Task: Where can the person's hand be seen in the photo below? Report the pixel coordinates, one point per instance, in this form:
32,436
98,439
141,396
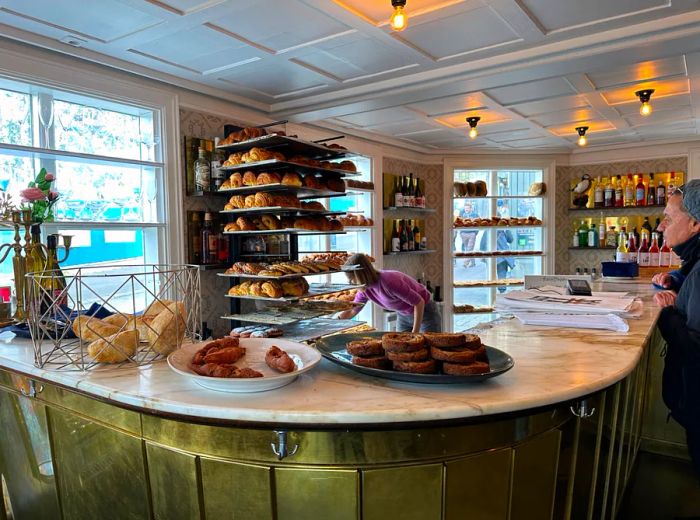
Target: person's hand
665,298
662,280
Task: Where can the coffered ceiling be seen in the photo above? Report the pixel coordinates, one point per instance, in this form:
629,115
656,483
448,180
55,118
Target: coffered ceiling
533,70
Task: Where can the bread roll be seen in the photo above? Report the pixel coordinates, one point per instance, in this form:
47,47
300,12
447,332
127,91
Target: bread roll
336,184
118,320
291,179
481,189
90,329
471,189
156,307
115,348
167,330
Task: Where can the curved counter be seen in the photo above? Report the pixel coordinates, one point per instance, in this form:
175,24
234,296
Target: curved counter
147,443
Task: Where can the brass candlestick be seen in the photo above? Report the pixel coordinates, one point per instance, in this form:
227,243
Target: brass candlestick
19,262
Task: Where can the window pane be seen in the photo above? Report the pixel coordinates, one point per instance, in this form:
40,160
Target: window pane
15,118
519,208
364,167
516,182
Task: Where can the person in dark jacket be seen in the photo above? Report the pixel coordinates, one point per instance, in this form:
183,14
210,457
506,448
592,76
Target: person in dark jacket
679,320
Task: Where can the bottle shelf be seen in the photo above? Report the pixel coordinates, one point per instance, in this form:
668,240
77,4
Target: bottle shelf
408,208
488,254
618,208
421,252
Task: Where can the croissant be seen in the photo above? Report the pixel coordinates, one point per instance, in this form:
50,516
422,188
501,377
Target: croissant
226,185
236,180
310,181
234,159
249,179
295,287
291,179
268,178
255,289
229,206
264,200
336,184
304,223
314,204
272,289
271,222
250,201
115,348
231,226
245,224
237,201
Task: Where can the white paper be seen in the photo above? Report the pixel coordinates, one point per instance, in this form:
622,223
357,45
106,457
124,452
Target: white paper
538,300
579,321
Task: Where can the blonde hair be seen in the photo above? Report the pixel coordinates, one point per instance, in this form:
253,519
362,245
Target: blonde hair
366,274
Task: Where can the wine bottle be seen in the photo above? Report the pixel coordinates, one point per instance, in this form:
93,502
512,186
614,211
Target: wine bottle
395,238
416,236
409,236
661,194
629,191
651,191
398,194
598,195
671,187
640,192
646,225
609,194
411,194
619,193
654,251
420,198
632,252
665,255
404,236
208,253
643,257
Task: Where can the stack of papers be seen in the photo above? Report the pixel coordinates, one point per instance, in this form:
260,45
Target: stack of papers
551,306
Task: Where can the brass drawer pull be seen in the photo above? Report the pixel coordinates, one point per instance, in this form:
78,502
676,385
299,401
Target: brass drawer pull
281,449
33,391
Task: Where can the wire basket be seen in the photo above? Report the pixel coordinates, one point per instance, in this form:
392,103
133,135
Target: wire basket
112,315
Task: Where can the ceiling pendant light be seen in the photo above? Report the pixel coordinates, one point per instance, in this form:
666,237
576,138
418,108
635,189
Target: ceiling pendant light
644,96
472,123
582,135
399,19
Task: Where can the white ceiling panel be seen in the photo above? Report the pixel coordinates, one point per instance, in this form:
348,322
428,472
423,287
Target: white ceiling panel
183,7
505,137
285,79
506,126
106,20
556,14
379,117
468,31
636,72
531,91
204,49
660,116
451,104
566,116
279,25
529,143
550,105
354,56
405,128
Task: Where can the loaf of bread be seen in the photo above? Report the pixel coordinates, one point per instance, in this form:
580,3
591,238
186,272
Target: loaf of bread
114,348
89,329
168,328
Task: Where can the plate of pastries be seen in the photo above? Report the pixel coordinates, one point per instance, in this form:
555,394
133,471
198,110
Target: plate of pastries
248,364
497,221
432,357
293,179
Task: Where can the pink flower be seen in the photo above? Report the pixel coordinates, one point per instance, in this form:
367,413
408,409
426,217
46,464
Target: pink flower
32,194
49,177
53,195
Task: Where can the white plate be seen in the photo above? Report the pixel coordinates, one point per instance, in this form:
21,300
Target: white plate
304,357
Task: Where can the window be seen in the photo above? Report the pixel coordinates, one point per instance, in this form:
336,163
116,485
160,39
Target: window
497,239
109,169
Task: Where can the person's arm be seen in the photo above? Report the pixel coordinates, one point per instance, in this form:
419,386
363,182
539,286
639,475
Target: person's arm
360,297
418,316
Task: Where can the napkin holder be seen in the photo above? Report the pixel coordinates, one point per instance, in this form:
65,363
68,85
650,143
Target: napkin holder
620,269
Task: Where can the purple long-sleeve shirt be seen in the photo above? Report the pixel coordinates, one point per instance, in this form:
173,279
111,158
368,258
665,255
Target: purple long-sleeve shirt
394,291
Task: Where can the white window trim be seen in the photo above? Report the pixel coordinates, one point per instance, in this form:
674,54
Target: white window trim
64,73
548,167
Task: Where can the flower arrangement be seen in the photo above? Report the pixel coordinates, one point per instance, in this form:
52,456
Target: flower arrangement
40,197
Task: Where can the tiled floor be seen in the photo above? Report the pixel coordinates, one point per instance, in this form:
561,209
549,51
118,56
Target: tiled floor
661,488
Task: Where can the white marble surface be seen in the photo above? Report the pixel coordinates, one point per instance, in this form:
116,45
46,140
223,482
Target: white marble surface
551,366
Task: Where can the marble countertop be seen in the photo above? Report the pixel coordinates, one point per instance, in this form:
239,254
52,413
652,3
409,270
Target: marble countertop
551,366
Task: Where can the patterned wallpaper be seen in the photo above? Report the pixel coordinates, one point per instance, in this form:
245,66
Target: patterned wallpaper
430,264
566,260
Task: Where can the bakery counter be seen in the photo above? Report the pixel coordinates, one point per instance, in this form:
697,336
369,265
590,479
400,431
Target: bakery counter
144,443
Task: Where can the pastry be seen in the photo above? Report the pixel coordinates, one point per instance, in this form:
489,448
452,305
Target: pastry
379,362
228,207
402,342
347,166
279,360
365,347
335,225
231,226
225,370
268,178
456,355
229,354
455,369
249,178
249,201
314,205
471,189
418,355
168,328
444,339
115,348
245,224
237,201
295,287
264,200
481,189
304,223
118,320
416,367
310,181
255,289
291,179
236,180
89,329
270,222
272,289
336,184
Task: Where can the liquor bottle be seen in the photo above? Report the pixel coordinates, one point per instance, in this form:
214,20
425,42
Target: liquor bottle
598,194
398,193
640,192
583,234
420,197
661,194
656,230
646,225
404,191
622,255
636,235
409,236
574,240
651,191
202,172
427,286
644,251
592,236
609,194
196,239
629,191
665,255
611,237
632,249
404,236
53,281
223,245
601,231
396,238
619,193
411,192
208,253
671,185
423,242
217,174
654,251
416,235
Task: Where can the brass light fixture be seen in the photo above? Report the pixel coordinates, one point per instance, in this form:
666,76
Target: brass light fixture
472,123
399,19
644,96
582,135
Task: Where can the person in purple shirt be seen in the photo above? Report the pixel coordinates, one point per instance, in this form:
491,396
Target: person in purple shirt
394,291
